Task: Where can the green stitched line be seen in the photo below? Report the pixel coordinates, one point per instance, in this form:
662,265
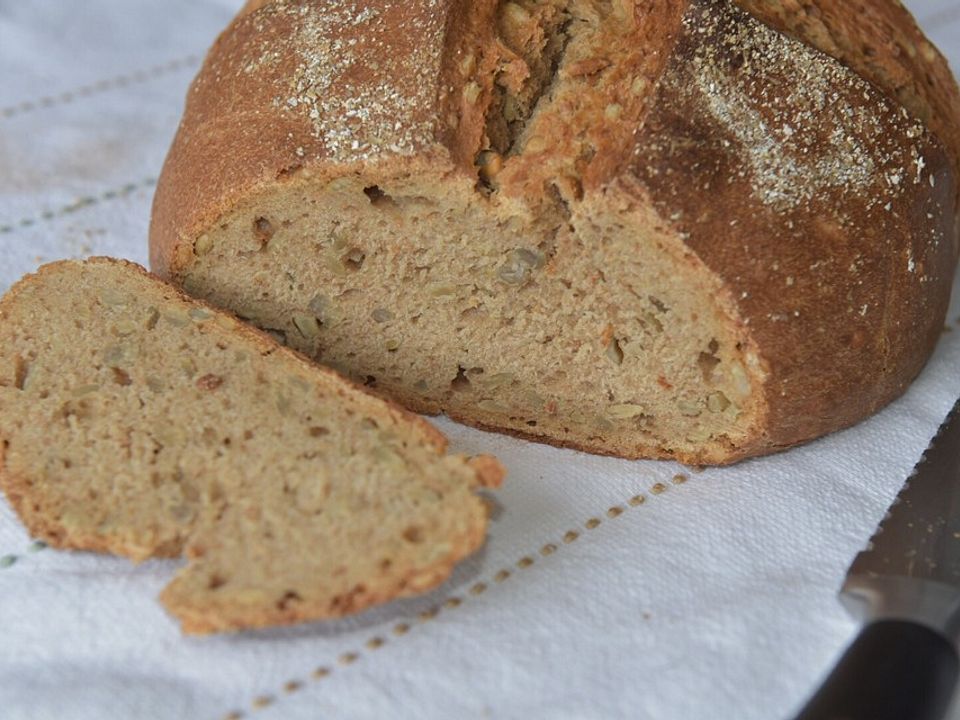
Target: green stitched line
120,81
77,205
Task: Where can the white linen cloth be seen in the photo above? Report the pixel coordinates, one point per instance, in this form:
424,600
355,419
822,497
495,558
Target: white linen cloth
715,598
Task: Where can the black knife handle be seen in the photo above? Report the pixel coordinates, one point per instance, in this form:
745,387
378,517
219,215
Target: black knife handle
894,670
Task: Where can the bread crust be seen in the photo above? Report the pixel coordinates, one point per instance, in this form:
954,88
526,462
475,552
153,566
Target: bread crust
829,265
882,43
784,254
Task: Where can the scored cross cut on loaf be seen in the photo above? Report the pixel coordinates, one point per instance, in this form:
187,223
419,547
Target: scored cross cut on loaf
695,229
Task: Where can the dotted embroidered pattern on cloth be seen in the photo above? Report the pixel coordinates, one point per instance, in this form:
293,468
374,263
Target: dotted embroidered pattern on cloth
607,588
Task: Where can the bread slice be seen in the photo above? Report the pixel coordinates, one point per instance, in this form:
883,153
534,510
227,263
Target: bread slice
136,421
650,229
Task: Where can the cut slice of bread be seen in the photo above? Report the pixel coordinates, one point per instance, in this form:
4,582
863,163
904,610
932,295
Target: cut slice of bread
136,421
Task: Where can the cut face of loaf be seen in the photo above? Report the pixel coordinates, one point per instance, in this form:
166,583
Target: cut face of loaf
546,332
632,228
137,422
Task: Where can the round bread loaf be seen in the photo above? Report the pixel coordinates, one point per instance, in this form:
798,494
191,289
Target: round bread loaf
698,229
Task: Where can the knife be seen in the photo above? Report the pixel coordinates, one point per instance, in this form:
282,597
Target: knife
905,587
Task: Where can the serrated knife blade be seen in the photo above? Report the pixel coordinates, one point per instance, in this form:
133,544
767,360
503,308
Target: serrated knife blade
920,535
905,586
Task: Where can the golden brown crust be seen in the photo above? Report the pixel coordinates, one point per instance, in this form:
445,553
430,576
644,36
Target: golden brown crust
842,273
784,250
882,42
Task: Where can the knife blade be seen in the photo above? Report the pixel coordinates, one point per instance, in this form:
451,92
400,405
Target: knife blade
905,587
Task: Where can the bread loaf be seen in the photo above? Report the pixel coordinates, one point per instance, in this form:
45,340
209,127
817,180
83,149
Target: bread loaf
137,422
692,229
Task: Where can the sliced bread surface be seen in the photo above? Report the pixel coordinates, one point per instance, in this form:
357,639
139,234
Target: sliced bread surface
693,229
136,421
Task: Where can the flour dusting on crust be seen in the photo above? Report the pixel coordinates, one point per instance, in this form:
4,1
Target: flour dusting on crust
798,132
365,93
